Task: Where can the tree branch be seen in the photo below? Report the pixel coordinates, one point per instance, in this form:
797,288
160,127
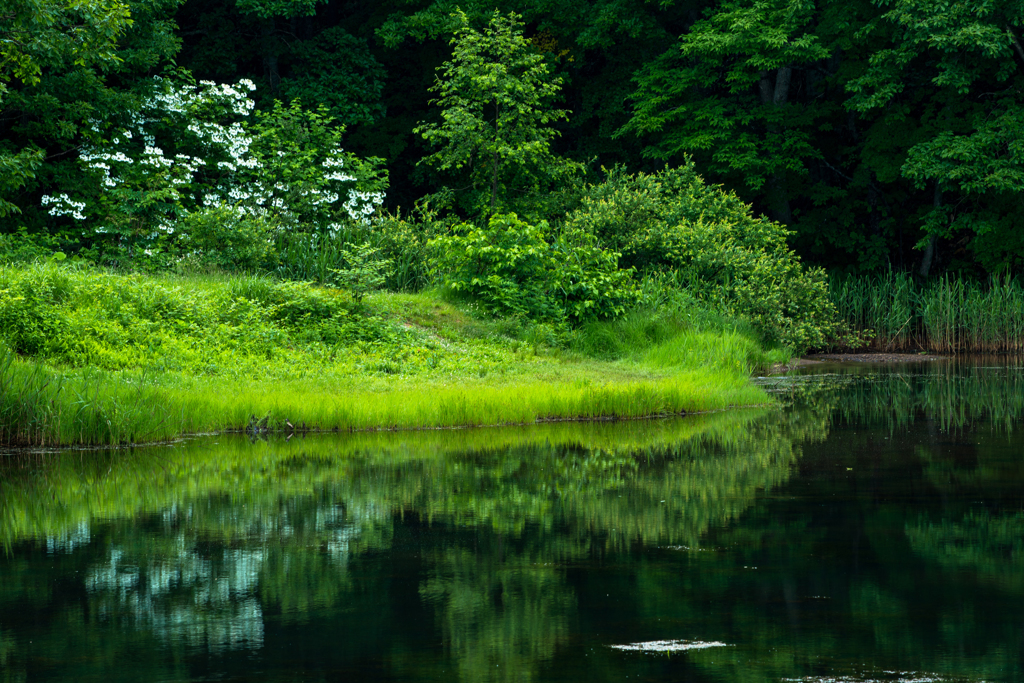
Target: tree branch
1016,43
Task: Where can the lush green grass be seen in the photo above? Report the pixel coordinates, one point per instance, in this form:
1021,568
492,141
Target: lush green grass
948,315
95,358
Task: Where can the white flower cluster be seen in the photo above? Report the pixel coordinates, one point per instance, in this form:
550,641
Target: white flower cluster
63,205
214,165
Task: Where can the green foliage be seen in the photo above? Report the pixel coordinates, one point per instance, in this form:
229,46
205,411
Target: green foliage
973,61
222,238
40,34
25,247
724,93
517,269
38,39
267,9
15,171
364,271
673,221
336,70
81,317
318,257
496,123
983,165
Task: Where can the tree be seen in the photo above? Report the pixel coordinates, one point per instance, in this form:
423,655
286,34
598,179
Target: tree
724,93
970,56
41,34
496,124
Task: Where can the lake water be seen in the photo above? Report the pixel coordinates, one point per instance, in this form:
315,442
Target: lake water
870,529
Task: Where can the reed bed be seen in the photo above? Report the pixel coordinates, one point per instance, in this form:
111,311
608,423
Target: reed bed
892,312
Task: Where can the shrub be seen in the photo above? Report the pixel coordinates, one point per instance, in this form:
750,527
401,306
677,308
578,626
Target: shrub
517,269
197,149
227,239
672,221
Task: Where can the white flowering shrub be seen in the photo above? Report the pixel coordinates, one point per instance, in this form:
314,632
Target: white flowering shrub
302,173
189,150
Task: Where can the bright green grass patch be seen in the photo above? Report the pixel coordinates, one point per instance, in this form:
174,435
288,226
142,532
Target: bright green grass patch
101,358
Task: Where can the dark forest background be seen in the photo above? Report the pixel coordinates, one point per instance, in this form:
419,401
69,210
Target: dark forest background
885,135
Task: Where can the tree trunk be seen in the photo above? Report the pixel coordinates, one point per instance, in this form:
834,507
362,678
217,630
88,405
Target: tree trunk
495,160
494,184
929,250
782,78
777,95
270,68
874,215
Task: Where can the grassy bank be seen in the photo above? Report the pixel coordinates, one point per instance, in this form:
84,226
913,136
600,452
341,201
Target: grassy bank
94,357
948,315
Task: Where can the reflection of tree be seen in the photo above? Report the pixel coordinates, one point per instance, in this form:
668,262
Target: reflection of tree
501,617
240,532
991,545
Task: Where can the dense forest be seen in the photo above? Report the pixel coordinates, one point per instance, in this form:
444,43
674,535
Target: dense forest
884,135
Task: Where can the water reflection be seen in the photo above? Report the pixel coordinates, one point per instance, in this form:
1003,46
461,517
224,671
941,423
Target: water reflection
873,526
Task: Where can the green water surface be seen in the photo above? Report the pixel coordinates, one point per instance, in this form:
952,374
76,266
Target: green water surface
870,529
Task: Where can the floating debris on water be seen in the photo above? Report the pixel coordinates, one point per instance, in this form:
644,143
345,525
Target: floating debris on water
669,646
888,677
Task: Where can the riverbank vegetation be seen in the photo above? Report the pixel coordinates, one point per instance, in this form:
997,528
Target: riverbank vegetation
95,357
217,266
895,312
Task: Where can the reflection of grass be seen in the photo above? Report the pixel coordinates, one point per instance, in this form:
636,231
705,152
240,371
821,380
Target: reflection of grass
954,394
703,466
129,359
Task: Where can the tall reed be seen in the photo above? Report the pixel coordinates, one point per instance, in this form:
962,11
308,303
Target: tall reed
948,315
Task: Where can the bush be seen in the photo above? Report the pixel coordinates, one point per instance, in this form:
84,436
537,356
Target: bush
672,221
228,239
517,269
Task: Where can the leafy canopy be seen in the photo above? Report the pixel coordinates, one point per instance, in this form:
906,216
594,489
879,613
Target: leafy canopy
44,34
495,123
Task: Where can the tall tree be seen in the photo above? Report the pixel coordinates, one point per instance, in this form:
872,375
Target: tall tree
496,122
724,92
971,157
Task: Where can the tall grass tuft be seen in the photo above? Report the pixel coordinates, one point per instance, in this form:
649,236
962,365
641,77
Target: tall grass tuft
40,407
948,315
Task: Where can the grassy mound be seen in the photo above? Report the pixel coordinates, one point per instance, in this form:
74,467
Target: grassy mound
94,357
